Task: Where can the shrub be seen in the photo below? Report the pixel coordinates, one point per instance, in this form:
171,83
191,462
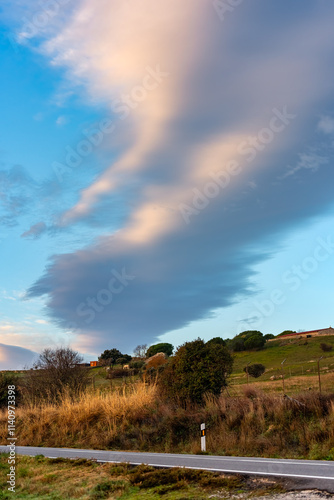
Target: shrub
7,379
137,365
156,361
326,347
119,373
255,370
197,368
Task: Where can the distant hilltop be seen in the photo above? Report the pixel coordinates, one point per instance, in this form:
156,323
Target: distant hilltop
311,333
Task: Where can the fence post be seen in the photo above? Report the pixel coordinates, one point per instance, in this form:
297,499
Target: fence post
319,373
203,438
284,360
247,373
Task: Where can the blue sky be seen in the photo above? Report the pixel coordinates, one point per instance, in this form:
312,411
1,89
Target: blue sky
165,173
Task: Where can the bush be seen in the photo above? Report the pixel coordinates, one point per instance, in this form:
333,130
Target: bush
255,370
7,379
119,373
197,368
162,347
137,365
326,347
156,361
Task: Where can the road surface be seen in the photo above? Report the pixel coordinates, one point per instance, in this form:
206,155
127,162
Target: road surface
302,474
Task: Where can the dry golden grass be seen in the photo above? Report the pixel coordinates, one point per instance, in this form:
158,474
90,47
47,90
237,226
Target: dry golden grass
94,418
252,423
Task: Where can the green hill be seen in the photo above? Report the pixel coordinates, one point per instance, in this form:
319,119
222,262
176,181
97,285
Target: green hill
301,357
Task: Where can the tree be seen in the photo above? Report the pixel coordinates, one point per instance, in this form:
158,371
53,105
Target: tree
162,347
57,371
216,340
255,341
255,370
269,336
109,356
140,351
195,369
286,332
249,339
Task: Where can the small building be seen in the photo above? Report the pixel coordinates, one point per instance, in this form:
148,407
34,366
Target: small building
311,333
94,363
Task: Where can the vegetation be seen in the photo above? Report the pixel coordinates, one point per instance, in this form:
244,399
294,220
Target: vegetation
140,351
301,358
217,340
55,372
112,356
244,341
62,479
198,368
128,414
326,347
255,370
162,347
135,418
286,332
7,379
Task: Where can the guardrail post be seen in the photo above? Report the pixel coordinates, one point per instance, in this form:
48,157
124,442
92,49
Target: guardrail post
203,438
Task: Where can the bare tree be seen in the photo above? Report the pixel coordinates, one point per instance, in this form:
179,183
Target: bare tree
55,372
140,351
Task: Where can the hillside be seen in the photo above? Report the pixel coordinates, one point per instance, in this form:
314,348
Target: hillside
301,358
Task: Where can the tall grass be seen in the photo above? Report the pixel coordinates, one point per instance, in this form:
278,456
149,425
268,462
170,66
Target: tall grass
253,424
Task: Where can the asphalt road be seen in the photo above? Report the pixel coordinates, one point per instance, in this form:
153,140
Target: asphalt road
302,474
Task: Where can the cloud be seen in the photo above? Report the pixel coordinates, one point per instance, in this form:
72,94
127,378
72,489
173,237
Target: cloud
310,160
222,87
16,358
61,120
16,188
326,125
35,231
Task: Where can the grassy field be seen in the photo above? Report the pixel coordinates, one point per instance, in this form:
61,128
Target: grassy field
301,361
61,479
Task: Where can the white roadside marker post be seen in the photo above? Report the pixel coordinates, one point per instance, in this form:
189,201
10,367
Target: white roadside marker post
203,443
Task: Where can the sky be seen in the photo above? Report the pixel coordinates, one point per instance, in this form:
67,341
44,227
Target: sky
166,172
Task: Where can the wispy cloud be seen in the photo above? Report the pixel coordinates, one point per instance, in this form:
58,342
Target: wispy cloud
326,124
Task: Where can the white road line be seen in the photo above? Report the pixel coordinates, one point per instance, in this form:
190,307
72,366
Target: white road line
263,461
207,458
